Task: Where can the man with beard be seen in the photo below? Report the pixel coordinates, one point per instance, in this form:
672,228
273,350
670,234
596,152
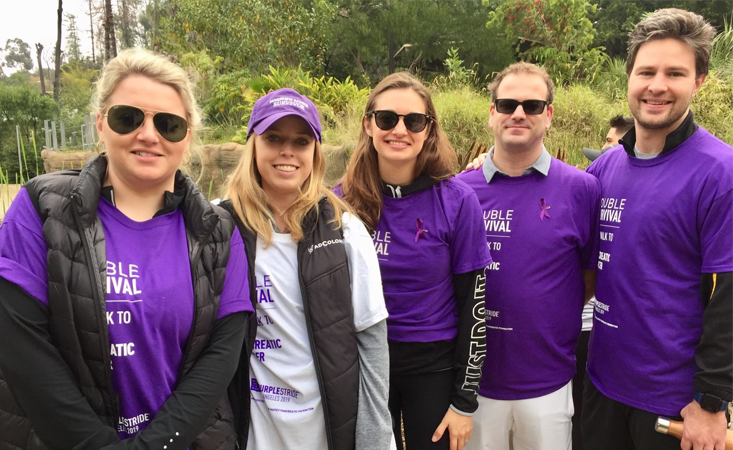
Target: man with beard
663,332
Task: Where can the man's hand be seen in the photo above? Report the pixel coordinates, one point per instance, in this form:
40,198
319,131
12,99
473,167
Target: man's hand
459,429
703,430
478,162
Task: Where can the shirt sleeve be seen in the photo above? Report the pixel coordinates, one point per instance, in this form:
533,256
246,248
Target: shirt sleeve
235,293
366,279
589,250
23,249
468,249
716,234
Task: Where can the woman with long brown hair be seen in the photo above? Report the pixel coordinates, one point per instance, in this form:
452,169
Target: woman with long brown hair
428,232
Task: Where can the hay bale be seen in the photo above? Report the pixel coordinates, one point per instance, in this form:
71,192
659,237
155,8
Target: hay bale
54,161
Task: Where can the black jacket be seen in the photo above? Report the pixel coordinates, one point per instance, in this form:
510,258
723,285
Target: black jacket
76,324
326,288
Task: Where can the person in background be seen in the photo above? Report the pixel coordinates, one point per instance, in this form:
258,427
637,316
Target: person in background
427,230
620,125
123,291
318,366
541,222
662,340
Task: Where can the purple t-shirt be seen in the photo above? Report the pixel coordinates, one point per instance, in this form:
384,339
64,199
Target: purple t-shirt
541,233
664,222
149,301
422,240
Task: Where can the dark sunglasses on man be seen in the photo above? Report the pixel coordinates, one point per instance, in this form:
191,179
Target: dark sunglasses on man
509,105
124,119
386,120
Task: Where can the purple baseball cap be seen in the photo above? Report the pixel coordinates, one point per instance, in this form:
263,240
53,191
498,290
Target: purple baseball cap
280,103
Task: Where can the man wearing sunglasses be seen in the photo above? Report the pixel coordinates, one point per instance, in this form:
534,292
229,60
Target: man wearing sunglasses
662,340
541,218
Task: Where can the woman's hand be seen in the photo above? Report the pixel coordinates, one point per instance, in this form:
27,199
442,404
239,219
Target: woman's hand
459,429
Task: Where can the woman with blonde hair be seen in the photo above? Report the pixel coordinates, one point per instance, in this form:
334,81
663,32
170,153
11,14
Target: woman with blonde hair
428,232
318,368
123,291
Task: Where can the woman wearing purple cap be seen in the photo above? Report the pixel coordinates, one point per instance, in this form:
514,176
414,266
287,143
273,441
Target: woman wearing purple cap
118,326
317,376
428,233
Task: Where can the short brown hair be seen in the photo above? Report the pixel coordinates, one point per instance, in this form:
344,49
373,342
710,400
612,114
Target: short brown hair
679,24
524,68
621,123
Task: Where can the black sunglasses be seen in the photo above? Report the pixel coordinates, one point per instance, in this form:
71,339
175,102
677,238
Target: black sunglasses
386,120
124,119
509,105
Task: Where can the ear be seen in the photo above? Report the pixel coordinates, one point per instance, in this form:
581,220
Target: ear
367,124
550,112
491,114
698,84
100,125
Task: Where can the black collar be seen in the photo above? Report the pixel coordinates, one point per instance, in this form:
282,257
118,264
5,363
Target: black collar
674,139
420,184
171,200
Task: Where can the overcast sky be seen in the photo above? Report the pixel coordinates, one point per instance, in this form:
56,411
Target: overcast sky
35,21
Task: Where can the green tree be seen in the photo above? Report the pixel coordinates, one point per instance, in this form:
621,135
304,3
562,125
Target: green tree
18,54
24,106
555,33
73,45
76,92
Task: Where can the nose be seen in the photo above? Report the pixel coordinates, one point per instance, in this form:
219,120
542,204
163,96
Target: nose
519,113
147,132
287,150
400,129
658,84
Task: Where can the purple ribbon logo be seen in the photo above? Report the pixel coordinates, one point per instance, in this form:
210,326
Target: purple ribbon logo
543,210
420,230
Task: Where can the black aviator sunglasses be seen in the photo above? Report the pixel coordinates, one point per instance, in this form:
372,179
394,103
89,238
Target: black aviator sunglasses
124,119
509,105
386,120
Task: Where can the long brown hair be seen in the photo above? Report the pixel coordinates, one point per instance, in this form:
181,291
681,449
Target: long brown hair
250,202
362,185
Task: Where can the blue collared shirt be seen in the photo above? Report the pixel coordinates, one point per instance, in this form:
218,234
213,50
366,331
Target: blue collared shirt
542,165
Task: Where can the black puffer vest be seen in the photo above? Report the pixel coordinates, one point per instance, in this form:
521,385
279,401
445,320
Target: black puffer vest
325,284
67,203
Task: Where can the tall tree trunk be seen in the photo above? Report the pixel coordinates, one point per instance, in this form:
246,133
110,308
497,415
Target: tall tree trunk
91,30
57,74
124,9
39,49
110,43
391,51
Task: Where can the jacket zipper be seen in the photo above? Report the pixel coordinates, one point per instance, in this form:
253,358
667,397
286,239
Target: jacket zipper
316,364
100,308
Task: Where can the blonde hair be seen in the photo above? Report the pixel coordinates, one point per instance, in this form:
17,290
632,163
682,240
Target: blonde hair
524,68
679,24
138,61
244,189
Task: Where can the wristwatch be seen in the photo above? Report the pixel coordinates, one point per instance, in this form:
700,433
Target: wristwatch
711,403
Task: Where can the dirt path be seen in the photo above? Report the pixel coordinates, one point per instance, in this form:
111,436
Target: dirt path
7,194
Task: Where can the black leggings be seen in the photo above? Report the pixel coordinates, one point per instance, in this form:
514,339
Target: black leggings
421,401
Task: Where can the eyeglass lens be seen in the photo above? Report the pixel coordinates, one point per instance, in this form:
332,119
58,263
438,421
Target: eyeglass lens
509,105
414,122
124,119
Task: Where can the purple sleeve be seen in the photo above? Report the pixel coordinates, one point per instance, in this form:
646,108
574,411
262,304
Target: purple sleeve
235,293
589,251
716,234
23,249
468,249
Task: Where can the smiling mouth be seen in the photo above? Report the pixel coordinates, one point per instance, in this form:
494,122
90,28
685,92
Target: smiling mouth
656,102
286,168
398,143
139,153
